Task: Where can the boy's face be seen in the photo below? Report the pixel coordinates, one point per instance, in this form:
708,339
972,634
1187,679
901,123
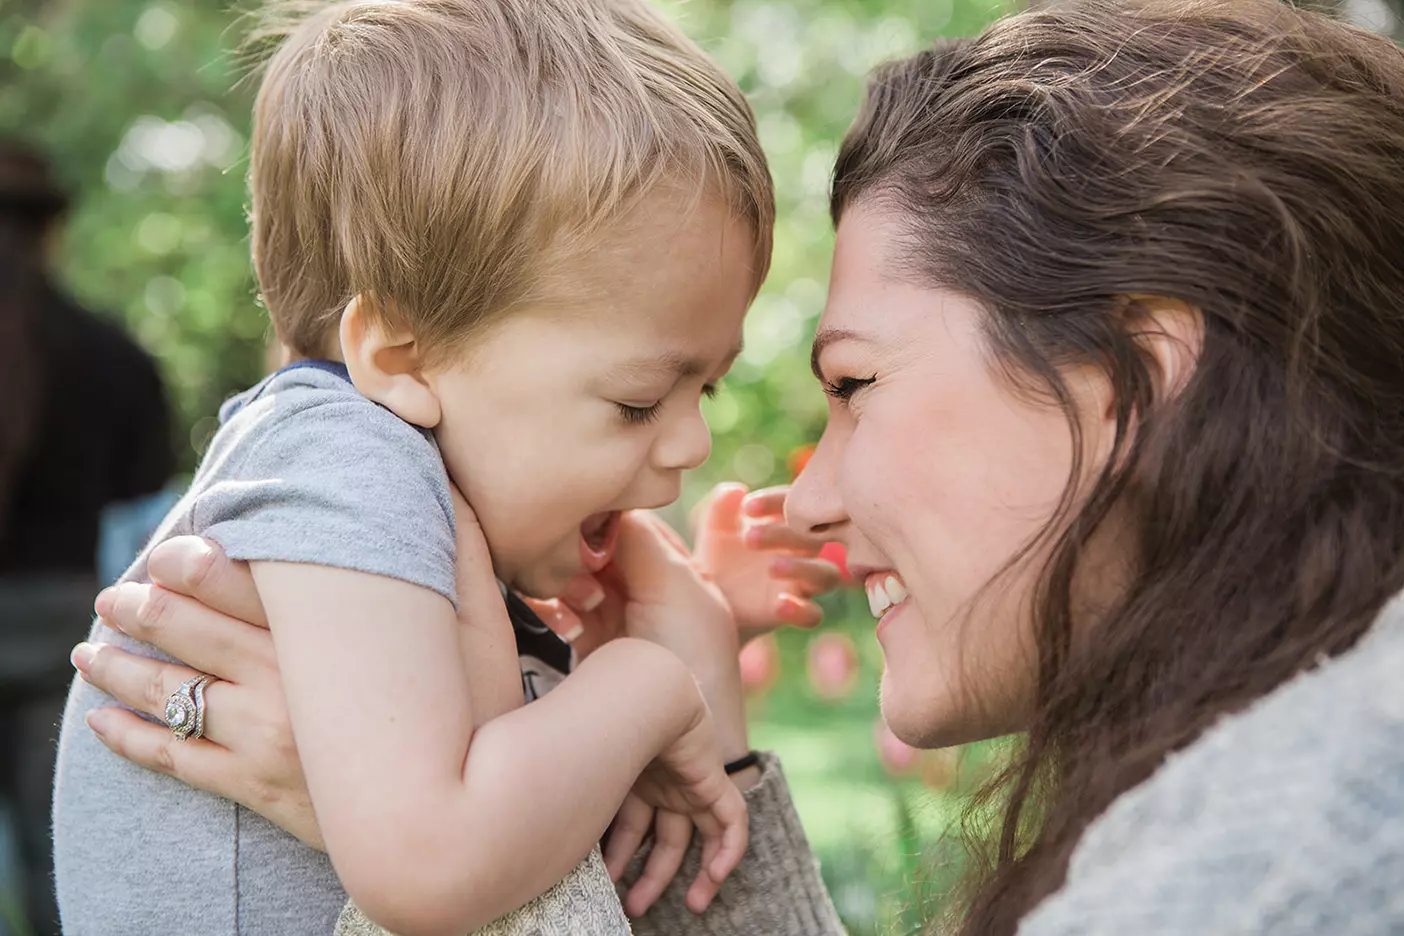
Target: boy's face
568,412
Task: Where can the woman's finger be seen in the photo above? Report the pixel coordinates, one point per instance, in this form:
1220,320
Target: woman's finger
199,568
672,833
201,763
480,600
207,640
626,834
145,684
137,682
807,576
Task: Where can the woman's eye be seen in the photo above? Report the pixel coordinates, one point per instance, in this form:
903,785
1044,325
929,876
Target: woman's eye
639,415
845,387
710,391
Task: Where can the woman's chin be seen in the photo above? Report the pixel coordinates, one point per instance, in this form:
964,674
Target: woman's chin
930,722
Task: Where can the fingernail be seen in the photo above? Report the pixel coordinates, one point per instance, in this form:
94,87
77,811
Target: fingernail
572,635
752,505
790,607
782,566
102,604
96,720
593,600
82,656
752,536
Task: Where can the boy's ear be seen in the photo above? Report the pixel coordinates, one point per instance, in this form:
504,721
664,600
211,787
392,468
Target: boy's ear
386,365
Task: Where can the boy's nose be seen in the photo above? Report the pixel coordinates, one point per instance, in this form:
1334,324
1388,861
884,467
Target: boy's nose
686,443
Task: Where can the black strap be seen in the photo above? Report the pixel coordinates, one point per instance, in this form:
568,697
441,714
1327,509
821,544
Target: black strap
749,759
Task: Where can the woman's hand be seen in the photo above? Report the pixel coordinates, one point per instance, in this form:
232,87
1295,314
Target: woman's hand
205,610
768,572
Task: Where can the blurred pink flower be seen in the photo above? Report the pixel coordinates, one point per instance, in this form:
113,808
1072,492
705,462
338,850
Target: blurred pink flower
898,757
940,768
833,666
760,664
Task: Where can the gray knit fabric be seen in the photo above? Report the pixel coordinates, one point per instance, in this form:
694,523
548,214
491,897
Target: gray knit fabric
775,891
1287,819
581,904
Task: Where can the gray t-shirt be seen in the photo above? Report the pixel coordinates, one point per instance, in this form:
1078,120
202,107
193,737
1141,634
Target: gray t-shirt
302,469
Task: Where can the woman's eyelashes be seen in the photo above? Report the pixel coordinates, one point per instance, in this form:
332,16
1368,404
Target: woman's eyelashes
844,387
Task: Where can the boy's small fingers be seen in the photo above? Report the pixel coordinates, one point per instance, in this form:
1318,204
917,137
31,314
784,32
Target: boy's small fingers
798,612
819,576
766,501
721,512
626,834
672,833
775,535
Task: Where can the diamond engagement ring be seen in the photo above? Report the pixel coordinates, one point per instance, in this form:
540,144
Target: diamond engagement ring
185,709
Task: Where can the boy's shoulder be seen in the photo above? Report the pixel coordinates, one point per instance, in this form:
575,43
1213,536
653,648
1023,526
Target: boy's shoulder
305,469
312,408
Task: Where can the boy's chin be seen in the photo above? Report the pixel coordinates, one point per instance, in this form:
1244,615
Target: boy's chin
540,583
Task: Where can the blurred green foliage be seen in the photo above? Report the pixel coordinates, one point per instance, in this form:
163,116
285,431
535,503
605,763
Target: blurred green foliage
139,104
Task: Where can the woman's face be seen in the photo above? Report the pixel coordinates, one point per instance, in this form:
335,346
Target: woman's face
934,473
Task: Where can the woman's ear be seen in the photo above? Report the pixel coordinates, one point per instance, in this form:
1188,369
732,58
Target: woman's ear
386,365
1171,331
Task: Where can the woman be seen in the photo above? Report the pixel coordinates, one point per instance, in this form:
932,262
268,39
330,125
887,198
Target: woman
1115,347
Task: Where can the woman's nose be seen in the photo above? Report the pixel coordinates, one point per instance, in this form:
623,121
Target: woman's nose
814,506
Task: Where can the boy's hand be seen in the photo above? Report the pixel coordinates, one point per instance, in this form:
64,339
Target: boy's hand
768,572
684,787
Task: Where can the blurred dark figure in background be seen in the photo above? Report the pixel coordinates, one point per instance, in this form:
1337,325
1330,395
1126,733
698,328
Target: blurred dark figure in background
83,424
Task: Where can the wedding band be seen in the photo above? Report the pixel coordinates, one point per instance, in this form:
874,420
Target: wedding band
185,709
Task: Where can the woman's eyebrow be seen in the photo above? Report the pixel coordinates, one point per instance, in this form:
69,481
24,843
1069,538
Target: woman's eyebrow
826,337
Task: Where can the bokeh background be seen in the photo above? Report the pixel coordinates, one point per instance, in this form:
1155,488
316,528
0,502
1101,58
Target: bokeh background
140,106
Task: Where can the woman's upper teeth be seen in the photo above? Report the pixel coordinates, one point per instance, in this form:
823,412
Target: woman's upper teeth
885,591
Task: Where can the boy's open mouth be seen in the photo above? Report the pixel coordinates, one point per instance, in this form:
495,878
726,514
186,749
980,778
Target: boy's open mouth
597,536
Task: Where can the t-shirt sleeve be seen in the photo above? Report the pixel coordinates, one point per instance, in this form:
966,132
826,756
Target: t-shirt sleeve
334,481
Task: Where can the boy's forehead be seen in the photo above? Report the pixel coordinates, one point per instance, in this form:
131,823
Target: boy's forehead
669,364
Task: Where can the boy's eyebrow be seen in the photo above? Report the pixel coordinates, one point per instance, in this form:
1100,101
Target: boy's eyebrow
668,364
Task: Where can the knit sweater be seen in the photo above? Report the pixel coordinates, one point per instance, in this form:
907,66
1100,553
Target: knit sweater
775,890
1285,819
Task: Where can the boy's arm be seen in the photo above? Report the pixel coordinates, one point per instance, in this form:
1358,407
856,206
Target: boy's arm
433,827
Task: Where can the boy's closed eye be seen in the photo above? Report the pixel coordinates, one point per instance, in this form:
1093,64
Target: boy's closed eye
636,413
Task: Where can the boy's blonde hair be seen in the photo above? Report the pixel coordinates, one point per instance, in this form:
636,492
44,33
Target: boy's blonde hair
436,156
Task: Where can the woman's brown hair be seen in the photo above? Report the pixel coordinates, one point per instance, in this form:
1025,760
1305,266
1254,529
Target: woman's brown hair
1246,159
